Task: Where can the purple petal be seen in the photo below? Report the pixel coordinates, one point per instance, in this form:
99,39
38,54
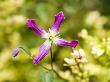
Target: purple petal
32,25
44,49
62,42
15,52
59,17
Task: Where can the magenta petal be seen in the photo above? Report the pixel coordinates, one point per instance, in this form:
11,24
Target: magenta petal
59,17
62,42
32,25
44,50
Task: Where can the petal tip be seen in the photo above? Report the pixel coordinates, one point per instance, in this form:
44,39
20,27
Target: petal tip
74,43
30,22
60,14
35,61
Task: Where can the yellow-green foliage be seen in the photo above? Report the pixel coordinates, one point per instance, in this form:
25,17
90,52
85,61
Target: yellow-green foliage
86,20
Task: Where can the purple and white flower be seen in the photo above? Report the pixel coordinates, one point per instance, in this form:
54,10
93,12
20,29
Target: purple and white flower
15,52
52,37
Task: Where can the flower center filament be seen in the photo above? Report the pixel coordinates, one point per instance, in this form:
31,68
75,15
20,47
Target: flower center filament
51,35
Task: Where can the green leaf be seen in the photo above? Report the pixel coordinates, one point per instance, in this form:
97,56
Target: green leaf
47,76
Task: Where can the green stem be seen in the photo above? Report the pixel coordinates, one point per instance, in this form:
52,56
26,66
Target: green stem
27,51
59,75
51,58
44,67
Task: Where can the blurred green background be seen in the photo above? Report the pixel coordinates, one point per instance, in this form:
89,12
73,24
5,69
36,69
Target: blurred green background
85,20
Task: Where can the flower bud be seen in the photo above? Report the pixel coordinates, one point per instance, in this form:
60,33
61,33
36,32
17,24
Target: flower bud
15,52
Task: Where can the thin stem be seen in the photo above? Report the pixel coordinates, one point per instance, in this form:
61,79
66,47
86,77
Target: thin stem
51,58
59,75
44,67
27,51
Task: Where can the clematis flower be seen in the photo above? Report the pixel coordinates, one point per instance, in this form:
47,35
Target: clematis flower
52,37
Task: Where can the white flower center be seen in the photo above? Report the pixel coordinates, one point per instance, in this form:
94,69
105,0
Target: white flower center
51,35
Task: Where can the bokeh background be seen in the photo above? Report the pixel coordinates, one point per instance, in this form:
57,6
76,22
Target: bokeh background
85,20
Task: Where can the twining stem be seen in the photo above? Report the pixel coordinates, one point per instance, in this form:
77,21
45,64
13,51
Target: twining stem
51,58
